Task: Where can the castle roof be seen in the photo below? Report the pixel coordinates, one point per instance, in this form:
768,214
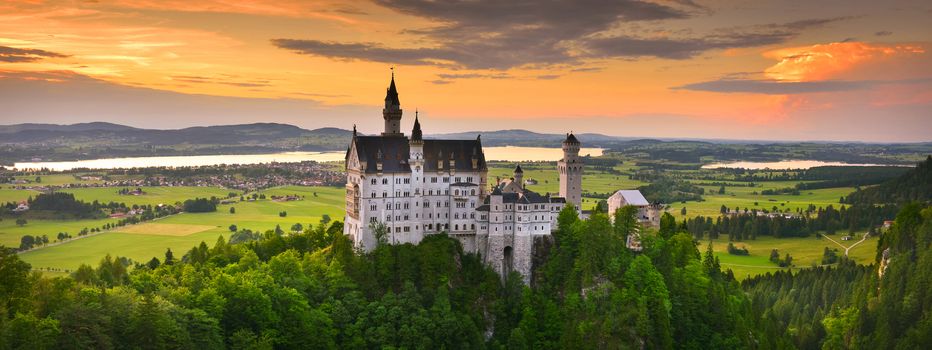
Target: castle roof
570,138
391,95
524,197
393,152
518,170
633,197
416,134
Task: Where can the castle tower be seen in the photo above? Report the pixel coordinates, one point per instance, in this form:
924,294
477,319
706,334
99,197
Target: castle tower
519,177
392,111
416,162
571,171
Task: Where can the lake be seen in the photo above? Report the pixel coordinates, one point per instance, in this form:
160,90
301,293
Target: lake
507,153
781,165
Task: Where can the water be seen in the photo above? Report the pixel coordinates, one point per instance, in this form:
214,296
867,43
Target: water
781,165
532,154
507,153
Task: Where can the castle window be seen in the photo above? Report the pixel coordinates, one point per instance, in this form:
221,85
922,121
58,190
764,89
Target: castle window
433,180
385,181
446,179
407,180
373,181
373,195
397,181
384,194
373,207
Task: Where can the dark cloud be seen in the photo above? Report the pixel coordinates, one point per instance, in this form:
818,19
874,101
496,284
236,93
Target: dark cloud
548,76
494,34
883,33
441,82
17,55
587,69
773,87
688,47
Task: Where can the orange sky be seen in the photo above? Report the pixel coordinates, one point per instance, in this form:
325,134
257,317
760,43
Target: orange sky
836,70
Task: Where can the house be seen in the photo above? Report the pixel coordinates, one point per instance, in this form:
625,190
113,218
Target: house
648,215
22,207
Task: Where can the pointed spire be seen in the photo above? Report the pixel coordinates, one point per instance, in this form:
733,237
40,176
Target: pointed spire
518,169
416,134
354,130
391,96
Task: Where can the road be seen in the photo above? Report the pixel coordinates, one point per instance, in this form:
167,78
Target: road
863,238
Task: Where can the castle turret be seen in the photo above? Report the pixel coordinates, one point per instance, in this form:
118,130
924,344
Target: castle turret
392,111
519,177
571,170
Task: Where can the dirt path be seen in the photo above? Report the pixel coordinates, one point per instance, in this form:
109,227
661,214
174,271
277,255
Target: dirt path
864,238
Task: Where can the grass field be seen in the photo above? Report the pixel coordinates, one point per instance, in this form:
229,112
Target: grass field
10,233
163,229
183,231
743,197
152,196
805,252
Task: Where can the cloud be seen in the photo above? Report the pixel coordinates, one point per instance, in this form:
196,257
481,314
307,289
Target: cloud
688,47
883,33
833,60
775,87
17,55
493,34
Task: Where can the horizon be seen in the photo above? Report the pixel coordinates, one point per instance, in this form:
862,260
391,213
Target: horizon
480,132
772,71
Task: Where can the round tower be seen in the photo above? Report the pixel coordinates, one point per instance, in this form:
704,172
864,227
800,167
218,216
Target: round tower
571,170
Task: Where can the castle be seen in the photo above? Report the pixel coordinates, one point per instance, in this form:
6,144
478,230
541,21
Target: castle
403,189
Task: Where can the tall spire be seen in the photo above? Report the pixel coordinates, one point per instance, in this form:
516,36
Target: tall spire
392,111
416,135
391,96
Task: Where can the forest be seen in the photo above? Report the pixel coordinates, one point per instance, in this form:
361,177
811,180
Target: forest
311,290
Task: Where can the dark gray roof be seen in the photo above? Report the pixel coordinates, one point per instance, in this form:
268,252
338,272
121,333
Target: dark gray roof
391,95
394,151
526,197
570,138
518,169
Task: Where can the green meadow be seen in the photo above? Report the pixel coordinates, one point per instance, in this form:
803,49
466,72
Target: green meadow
805,252
143,241
150,196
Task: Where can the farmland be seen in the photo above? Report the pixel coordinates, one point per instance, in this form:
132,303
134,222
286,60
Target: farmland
143,241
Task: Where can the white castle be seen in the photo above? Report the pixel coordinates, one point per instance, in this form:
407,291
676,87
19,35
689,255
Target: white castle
417,187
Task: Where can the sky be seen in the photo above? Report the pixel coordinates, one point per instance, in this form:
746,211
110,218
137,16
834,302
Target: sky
753,70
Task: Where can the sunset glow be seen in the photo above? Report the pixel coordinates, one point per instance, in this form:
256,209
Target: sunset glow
641,69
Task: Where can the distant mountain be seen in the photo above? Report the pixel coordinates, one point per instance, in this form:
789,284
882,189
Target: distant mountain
102,126
114,134
519,137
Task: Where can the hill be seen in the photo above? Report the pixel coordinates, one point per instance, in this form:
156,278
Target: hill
914,185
